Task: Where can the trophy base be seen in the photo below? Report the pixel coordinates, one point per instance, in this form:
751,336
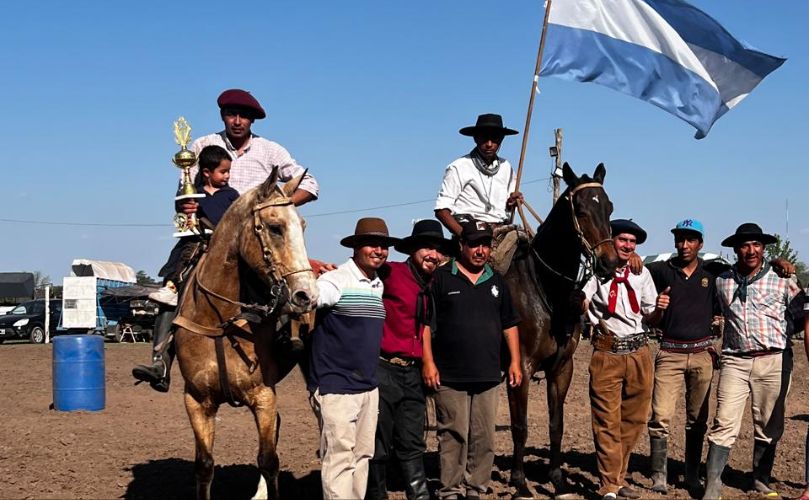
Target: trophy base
183,234
189,196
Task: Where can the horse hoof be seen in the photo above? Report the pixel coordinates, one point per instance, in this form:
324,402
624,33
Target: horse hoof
522,493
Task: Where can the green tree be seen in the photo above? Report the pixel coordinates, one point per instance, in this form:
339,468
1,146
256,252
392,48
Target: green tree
144,279
782,249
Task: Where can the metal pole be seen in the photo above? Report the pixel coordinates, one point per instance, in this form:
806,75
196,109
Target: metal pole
557,164
47,314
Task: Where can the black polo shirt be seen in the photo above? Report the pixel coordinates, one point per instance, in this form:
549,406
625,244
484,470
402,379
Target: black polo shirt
468,324
692,300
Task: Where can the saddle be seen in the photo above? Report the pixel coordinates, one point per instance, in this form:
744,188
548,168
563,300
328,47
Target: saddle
505,243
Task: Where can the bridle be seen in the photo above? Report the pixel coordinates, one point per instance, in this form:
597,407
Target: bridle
589,259
277,272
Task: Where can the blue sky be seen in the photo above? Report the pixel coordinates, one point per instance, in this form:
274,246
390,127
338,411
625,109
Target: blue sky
369,95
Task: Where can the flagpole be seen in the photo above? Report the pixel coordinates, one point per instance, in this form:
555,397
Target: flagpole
534,88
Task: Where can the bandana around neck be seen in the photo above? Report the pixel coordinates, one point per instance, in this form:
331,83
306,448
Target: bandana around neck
744,281
484,168
613,299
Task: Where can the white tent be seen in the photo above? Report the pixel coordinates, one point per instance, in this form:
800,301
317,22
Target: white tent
116,271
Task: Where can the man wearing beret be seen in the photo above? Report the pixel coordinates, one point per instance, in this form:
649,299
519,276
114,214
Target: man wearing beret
686,354
342,375
400,428
757,305
621,366
478,186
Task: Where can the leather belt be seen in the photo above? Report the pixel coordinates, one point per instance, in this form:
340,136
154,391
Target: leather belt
619,345
398,361
686,347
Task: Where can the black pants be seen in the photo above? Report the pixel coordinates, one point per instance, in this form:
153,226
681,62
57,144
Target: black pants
400,426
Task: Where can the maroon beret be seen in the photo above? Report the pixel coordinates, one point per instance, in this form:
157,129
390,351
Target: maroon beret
238,98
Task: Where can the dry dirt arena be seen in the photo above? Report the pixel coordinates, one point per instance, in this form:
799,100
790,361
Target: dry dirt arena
141,445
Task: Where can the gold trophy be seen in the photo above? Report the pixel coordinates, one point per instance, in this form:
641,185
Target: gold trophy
186,225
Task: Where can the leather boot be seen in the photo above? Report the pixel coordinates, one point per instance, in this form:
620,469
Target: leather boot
415,480
158,374
377,487
659,459
763,459
693,459
717,459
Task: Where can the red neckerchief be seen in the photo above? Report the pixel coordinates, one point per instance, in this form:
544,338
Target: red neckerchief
633,300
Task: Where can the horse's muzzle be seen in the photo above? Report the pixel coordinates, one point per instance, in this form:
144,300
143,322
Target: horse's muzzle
302,300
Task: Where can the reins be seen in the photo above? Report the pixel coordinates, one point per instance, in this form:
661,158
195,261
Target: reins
589,258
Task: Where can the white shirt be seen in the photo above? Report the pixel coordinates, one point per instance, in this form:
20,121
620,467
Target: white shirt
333,285
256,162
467,190
624,322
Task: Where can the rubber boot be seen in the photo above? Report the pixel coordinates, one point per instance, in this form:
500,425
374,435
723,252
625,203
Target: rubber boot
415,479
763,459
693,459
659,459
717,459
377,487
158,374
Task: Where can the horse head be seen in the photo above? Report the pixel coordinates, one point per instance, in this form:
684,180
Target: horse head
590,210
273,245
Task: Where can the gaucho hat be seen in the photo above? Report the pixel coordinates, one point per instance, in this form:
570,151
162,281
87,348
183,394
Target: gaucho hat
619,226
748,231
369,229
238,98
488,123
425,232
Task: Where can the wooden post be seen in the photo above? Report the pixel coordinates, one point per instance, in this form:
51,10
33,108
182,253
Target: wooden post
557,169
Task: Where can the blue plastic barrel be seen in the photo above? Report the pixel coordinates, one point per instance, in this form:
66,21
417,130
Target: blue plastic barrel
78,373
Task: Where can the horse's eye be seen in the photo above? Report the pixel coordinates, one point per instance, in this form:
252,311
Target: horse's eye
276,229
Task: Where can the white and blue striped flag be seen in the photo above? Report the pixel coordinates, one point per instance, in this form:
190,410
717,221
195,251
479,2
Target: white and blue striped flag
665,52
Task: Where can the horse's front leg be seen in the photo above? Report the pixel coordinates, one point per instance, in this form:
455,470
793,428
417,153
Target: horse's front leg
558,385
518,411
267,423
202,416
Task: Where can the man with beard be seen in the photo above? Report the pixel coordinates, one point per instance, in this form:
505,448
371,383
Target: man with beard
478,186
400,427
756,357
621,366
343,360
686,352
473,313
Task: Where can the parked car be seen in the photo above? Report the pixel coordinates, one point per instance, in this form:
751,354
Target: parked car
27,320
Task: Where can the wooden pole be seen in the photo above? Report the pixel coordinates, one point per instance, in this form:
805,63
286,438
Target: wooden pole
557,164
534,82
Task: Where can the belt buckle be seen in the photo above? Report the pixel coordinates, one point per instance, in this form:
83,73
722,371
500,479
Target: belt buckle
397,361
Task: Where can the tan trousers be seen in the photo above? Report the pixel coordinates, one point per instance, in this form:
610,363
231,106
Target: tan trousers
671,370
466,427
766,379
347,430
620,395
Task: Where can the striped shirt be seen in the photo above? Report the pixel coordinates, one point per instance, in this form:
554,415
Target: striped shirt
761,322
345,343
256,163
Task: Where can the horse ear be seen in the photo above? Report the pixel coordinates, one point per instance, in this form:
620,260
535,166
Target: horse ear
291,186
599,174
571,179
268,186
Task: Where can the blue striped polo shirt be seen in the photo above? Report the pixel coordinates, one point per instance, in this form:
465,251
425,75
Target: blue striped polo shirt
345,344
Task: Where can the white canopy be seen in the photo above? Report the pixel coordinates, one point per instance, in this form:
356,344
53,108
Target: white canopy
117,271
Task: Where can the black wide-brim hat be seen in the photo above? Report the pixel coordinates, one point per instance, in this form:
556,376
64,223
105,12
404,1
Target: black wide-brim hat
369,230
489,122
619,226
749,231
426,232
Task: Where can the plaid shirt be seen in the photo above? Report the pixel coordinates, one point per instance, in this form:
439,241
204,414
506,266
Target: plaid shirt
256,163
761,322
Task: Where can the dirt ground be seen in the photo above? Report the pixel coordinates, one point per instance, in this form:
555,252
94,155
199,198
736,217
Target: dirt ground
141,445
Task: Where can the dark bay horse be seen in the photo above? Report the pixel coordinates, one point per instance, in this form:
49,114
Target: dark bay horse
255,268
542,279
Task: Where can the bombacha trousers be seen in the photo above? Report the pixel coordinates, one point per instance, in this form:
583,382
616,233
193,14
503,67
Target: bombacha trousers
766,380
620,395
347,429
672,370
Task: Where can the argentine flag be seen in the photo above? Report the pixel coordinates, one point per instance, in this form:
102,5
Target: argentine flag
665,52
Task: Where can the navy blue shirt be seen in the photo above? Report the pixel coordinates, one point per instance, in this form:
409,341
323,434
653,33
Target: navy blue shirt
214,206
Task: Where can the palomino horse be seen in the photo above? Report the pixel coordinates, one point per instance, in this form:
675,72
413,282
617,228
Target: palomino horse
256,254
542,280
